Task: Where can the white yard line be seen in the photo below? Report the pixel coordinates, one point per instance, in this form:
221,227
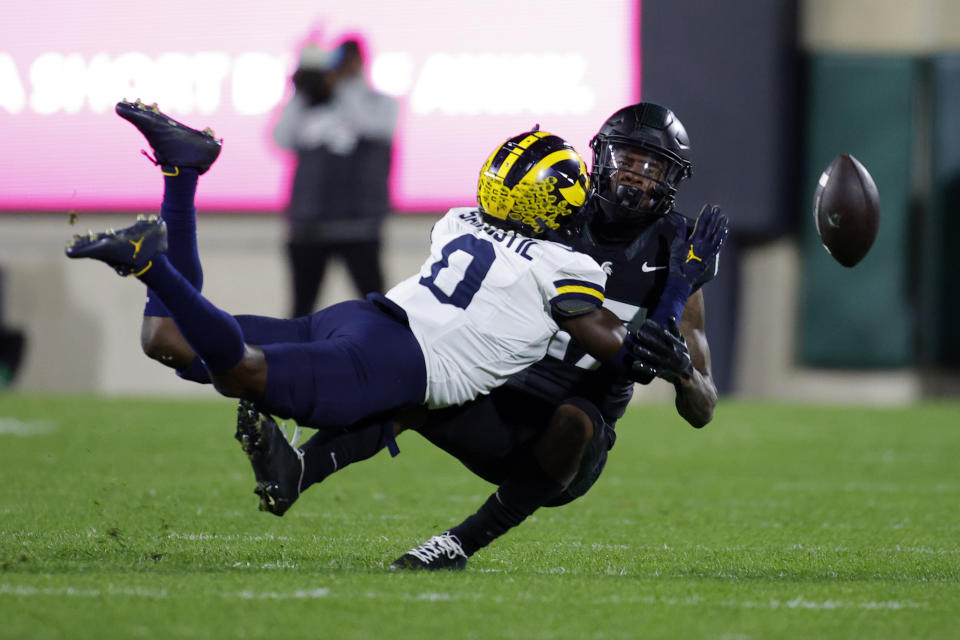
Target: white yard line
797,603
111,591
16,427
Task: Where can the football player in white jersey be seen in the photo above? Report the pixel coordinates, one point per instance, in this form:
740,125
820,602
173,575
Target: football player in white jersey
340,366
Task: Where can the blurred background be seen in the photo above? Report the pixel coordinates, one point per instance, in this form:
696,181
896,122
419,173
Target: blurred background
769,91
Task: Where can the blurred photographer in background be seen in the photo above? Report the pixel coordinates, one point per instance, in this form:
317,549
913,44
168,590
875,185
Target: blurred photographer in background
342,132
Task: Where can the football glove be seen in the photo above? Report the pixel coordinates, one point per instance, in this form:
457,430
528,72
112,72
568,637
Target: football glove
651,350
690,257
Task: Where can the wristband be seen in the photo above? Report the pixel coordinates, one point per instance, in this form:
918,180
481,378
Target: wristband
672,301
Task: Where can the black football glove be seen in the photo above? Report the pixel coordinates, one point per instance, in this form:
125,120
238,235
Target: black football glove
654,350
691,256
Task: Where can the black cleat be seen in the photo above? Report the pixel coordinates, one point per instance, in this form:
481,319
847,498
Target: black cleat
174,145
439,552
129,251
277,463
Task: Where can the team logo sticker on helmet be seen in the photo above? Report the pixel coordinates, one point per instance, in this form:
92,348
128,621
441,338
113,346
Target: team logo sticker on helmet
534,182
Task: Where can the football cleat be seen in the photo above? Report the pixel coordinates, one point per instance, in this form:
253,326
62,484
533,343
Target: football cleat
129,251
174,144
439,552
277,463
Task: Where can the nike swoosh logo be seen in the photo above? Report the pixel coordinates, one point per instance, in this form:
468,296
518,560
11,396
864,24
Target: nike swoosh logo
647,268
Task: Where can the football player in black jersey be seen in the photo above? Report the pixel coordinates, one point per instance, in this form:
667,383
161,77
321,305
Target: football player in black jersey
543,437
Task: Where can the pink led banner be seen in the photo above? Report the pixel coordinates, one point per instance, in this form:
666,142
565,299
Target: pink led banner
467,77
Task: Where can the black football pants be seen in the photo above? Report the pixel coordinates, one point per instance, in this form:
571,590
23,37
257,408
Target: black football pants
308,264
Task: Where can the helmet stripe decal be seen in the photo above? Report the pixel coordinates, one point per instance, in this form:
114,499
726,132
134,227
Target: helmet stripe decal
513,150
544,143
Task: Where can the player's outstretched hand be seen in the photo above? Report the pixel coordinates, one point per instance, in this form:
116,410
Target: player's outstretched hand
659,351
691,256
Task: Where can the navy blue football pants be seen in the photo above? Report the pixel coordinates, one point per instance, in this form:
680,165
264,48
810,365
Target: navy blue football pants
338,366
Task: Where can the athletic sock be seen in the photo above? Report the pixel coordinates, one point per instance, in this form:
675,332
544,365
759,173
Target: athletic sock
213,334
525,490
179,213
323,455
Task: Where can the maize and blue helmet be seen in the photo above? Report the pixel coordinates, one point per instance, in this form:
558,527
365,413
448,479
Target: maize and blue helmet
533,182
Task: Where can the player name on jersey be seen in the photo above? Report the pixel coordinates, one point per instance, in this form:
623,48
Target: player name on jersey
507,238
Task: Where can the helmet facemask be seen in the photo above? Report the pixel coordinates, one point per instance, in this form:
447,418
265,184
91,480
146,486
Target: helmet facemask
636,183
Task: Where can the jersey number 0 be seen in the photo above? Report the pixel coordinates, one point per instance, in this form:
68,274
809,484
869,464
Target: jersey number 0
481,255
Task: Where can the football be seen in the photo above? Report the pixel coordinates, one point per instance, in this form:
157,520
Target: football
846,208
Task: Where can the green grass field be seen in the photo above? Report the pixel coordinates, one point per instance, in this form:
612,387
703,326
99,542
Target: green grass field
135,518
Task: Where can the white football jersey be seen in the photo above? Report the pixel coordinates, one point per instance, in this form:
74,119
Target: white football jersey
484,304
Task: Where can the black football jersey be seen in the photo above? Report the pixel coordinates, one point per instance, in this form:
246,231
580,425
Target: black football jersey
636,275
